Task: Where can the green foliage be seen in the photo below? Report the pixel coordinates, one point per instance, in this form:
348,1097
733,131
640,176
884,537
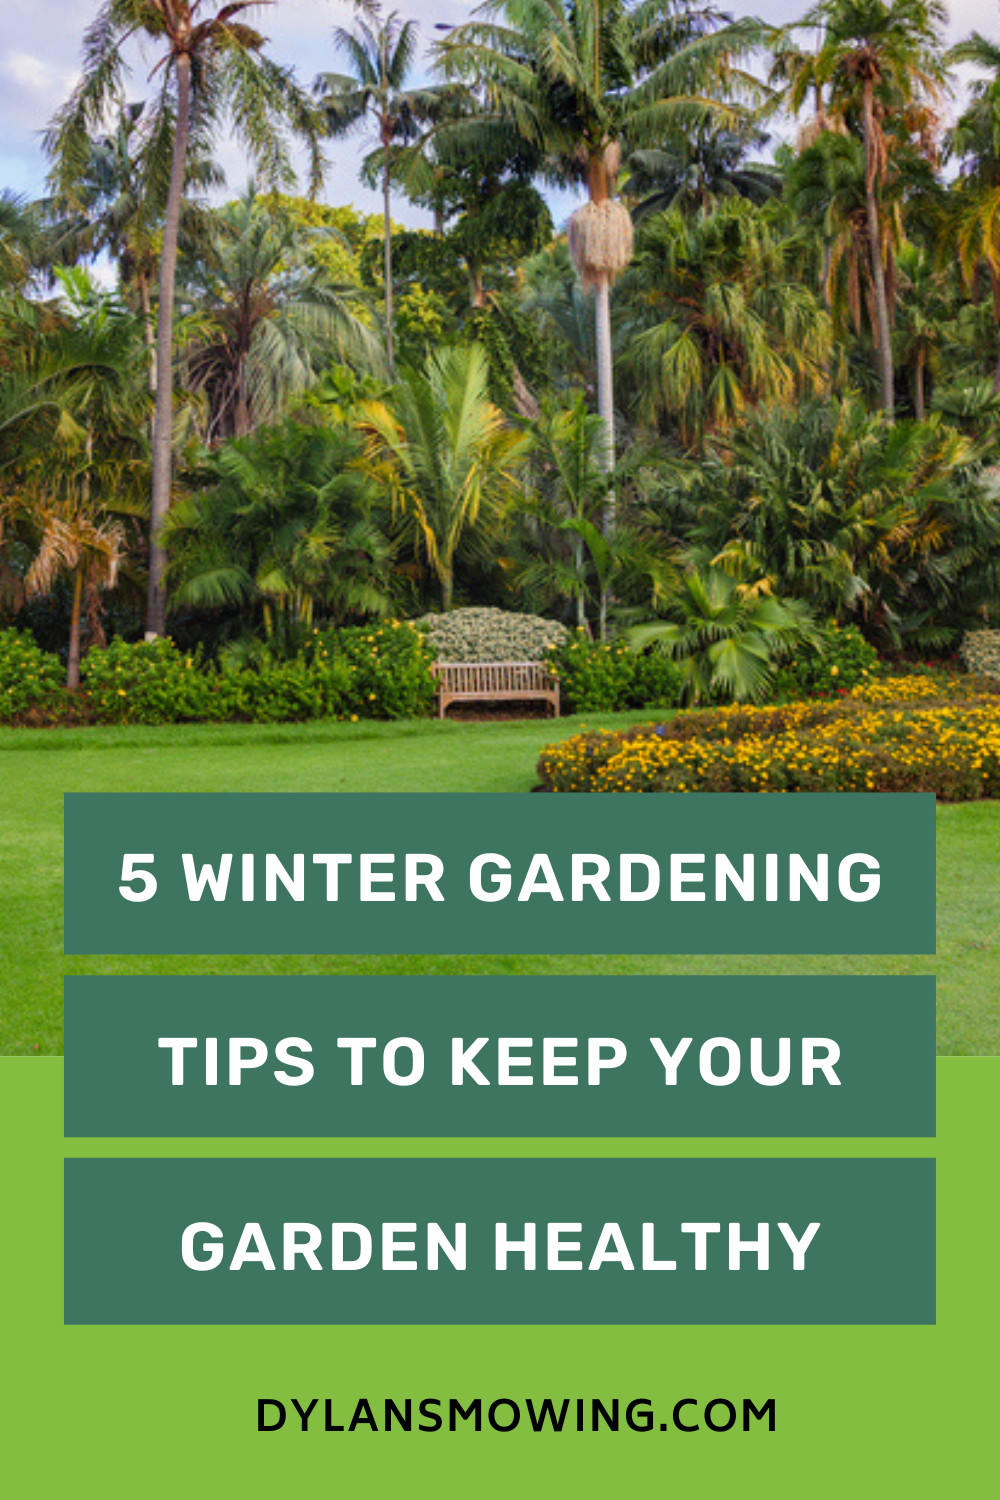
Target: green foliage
387,670
285,529
443,456
421,318
263,318
382,673
479,635
277,692
32,681
601,677
891,523
722,317
727,640
147,682
344,232
838,661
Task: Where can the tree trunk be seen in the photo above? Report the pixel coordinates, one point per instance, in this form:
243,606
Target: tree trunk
605,387
73,657
919,396
148,331
581,611
884,332
387,258
447,590
156,610
606,409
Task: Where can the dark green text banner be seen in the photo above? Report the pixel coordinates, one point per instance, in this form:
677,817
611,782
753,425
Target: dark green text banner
502,1241
430,873
555,1056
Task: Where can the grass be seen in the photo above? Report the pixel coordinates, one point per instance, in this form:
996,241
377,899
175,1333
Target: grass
37,767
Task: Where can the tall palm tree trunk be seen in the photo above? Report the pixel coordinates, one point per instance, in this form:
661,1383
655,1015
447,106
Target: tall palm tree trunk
73,657
884,332
606,411
605,385
156,609
148,331
387,256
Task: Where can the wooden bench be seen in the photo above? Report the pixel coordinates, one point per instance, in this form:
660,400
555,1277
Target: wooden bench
495,682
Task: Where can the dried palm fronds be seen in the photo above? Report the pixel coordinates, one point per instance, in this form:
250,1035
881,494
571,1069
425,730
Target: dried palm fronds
600,241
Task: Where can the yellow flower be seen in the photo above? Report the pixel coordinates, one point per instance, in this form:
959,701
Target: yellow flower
121,692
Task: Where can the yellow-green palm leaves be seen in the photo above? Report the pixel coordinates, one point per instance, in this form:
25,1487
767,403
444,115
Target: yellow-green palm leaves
443,453
720,319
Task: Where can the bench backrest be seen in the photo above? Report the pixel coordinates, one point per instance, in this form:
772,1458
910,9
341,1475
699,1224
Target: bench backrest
498,677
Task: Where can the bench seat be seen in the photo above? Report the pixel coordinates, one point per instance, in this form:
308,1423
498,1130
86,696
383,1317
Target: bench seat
495,682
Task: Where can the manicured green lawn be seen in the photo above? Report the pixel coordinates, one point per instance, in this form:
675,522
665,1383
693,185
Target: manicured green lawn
37,767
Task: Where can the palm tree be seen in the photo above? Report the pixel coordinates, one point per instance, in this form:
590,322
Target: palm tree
972,227
115,206
852,513
21,241
286,526
444,456
720,318
88,549
883,63
697,169
70,477
926,307
380,51
586,81
727,639
264,318
563,554
212,67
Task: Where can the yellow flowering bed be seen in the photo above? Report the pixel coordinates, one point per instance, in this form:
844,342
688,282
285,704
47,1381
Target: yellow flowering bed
921,739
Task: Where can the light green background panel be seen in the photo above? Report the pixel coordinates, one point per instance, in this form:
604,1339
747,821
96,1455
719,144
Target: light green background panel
151,1412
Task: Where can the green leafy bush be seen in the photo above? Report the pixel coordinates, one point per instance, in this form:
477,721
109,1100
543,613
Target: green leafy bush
387,669
657,682
152,682
32,681
598,677
148,682
981,652
281,692
843,661
491,635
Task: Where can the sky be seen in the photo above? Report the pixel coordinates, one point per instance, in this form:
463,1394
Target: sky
40,50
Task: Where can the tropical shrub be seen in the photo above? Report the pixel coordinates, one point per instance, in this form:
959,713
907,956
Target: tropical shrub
387,669
726,640
148,682
32,681
599,677
281,692
930,743
840,660
491,635
894,524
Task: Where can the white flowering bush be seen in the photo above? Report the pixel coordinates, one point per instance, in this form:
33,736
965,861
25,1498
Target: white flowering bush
478,635
981,653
